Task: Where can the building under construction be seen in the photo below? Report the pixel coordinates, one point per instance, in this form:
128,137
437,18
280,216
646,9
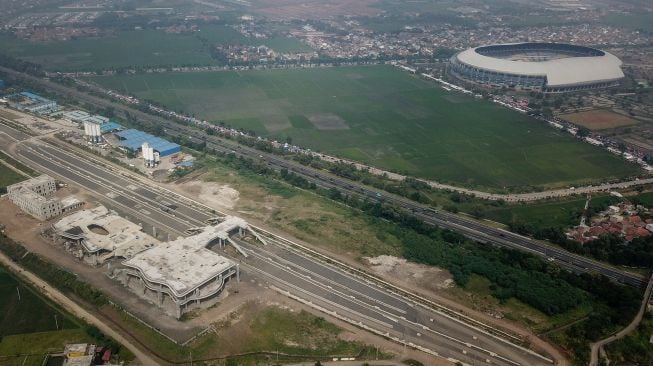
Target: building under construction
184,274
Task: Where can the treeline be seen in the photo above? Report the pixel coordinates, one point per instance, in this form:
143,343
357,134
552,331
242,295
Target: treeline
609,248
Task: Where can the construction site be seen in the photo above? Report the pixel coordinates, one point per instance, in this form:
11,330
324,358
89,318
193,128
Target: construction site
178,276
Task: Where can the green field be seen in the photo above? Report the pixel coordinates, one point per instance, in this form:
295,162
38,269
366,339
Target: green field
559,213
388,118
30,327
137,49
125,49
9,176
27,313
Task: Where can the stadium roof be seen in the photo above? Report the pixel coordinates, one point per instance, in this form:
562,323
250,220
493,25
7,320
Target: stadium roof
560,72
134,139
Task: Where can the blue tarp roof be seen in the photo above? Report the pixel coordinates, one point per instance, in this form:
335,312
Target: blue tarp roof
109,126
134,139
31,95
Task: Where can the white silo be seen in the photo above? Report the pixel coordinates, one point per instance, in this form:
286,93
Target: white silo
148,154
97,132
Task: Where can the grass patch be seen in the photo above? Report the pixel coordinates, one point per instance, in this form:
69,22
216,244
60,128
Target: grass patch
390,119
9,176
34,346
558,213
253,328
302,214
286,44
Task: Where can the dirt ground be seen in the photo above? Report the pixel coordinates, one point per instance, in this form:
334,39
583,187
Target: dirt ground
212,194
429,278
599,119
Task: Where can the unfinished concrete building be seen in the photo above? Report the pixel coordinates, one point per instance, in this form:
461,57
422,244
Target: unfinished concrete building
35,196
97,235
184,274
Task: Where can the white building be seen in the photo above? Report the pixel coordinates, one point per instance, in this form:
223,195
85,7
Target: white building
184,274
97,235
34,196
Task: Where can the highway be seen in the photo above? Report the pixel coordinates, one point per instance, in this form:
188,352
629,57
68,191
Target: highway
302,277
467,226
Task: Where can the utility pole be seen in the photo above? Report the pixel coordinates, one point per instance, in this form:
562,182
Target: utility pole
56,322
18,290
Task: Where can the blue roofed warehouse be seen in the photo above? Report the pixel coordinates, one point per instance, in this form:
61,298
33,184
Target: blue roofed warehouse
133,140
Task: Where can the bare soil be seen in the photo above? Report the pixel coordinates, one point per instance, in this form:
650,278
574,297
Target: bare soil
327,121
599,119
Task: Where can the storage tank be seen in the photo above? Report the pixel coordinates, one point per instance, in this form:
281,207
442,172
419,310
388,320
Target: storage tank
148,155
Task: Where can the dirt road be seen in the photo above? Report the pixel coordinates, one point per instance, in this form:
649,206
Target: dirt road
61,299
596,347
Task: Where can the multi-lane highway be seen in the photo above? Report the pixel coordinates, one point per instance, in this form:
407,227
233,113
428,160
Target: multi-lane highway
312,281
467,226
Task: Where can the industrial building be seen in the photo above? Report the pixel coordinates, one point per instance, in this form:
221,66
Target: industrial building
184,274
35,197
97,235
544,67
33,103
85,118
133,140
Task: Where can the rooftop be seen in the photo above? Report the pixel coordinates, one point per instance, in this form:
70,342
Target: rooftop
134,139
104,230
185,264
559,71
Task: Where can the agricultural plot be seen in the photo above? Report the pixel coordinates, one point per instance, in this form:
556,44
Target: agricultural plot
22,311
30,327
125,49
387,118
138,49
599,119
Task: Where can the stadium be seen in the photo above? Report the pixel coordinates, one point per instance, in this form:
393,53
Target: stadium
544,67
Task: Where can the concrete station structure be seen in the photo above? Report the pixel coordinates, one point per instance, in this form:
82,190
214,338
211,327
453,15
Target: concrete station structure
184,274
177,276
98,235
35,196
544,67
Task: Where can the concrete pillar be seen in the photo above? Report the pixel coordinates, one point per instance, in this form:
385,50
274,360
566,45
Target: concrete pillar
154,231
178,311
237,272
240,231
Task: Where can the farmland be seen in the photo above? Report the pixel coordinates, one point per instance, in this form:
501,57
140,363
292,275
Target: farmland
599,119
30,327
144,48
387,118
